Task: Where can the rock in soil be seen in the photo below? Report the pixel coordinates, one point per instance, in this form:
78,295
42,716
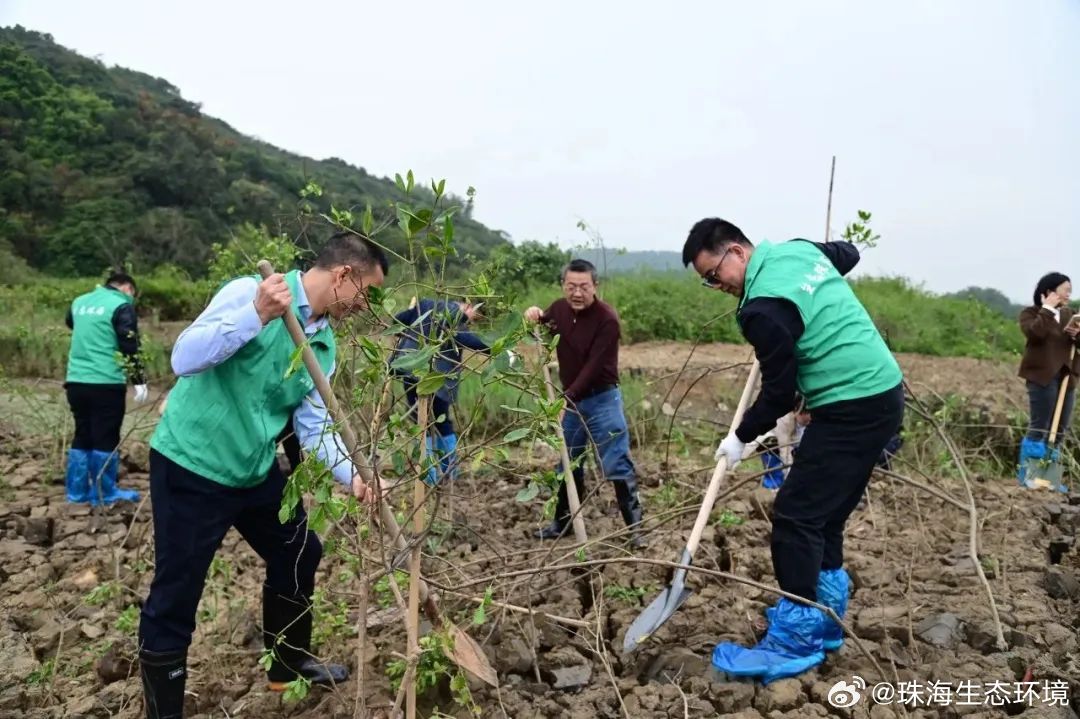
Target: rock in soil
117,664
780,695
941,630
565,668
16,657
1061,583
729,697
39,531
513,656
875,622
982,637
678,662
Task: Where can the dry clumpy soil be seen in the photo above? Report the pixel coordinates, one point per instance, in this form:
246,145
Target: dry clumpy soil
918,607
71,580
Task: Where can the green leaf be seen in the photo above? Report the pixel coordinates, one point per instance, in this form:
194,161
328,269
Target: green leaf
296,361
297,689
516,435
448,230
430,384
389,305
412,361
479,616
398,460
527,494
409,181
441,188
403,221
367,222
399,182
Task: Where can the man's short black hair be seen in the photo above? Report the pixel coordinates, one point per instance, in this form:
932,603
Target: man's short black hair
120,278
349,248
712,234
579,265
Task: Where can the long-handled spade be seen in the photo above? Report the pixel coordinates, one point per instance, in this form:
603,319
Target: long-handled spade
466,653
672,597
1046,473
572,497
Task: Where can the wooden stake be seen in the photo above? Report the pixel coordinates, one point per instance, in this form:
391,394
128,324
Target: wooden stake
828,208
414,568
576,520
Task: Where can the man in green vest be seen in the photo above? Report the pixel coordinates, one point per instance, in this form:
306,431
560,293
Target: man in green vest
213,461
811,336
104,354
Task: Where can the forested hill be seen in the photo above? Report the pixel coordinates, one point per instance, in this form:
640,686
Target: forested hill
102,165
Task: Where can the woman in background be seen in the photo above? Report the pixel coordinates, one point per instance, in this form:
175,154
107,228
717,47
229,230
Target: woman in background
1048,360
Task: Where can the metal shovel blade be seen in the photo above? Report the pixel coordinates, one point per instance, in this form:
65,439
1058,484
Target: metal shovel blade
658,612
1044,474
468,655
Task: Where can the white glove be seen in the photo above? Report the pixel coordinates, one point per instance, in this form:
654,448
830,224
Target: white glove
515,360
142,392
732,447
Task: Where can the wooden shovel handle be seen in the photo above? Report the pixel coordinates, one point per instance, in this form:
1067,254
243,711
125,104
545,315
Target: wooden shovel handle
386,515
1061,397
576,520
721,466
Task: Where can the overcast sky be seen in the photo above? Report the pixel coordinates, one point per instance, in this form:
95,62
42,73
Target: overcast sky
956,122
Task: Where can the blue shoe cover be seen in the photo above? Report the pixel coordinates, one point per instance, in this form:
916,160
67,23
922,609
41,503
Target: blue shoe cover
774,478
832,591
447,446
1032,451
104,468
77,479
790,647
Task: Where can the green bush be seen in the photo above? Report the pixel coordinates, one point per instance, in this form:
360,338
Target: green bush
913,320
674,306
659,306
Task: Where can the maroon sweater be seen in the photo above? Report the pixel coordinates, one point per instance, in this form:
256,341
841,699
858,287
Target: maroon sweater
588,348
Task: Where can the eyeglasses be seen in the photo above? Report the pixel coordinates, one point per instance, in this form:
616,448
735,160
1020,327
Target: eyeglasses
577,288
709,279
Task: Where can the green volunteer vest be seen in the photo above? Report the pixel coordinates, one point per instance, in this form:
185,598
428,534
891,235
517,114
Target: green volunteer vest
92,358
223,423
841,354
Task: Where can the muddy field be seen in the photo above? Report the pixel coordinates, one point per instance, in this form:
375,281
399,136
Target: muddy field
71,580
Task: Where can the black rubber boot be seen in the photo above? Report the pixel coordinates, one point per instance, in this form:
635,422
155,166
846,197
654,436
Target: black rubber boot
163,677
287,630
630,506
561,523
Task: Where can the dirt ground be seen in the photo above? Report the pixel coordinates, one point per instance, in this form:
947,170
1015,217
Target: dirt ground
69,578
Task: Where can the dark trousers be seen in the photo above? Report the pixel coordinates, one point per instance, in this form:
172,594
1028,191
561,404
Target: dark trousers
191,516
99,413
827,479
291,444
440,407
1042,400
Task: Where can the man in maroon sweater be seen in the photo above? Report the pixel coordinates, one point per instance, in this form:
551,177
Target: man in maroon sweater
588,353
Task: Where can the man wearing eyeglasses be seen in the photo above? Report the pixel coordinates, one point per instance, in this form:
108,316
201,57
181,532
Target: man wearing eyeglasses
811,335
588,352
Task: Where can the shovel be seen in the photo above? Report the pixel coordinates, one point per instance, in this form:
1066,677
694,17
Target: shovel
466,653
1046,473
664,606
568,474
